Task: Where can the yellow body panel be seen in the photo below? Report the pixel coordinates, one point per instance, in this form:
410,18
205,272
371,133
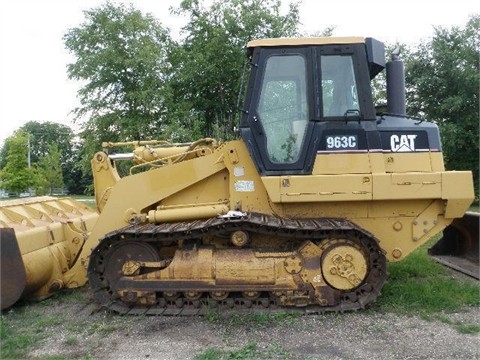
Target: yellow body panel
407,186
403,210
318,188
457,190
345,163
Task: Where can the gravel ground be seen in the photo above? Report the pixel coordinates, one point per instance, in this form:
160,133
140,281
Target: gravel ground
91,332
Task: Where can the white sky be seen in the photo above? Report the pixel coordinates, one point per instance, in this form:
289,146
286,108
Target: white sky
33,79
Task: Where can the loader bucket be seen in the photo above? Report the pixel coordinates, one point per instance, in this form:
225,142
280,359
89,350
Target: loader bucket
459,246
12,271
41,240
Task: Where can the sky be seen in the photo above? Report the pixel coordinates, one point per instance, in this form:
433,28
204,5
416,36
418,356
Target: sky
33,80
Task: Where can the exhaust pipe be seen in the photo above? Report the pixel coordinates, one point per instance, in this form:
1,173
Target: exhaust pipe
396,85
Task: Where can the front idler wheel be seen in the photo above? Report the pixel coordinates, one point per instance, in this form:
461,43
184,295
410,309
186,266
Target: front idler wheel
344,264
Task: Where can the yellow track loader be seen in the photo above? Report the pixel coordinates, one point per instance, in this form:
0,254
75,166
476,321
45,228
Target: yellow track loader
303,211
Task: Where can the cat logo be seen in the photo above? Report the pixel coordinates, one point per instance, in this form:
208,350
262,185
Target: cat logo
402,143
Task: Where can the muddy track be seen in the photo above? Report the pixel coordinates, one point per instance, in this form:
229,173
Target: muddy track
173,298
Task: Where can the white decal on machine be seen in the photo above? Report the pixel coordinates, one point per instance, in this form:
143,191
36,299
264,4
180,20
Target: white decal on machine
244,186
342,142
402,143
238,171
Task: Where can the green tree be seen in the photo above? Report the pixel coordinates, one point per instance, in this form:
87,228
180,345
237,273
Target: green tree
41,136
80,172
120,55
443,78
16,176
49,171
3,155
208,64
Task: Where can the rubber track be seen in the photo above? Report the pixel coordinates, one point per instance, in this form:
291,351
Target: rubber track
311,229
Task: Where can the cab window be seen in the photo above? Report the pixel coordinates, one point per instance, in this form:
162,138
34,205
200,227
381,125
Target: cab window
339,89
282,107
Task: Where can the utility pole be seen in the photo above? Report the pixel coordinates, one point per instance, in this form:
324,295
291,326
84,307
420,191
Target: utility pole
29,160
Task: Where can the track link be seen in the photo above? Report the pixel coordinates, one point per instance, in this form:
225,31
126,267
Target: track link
321,231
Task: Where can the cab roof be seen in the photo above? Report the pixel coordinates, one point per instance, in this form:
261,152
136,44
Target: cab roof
305,41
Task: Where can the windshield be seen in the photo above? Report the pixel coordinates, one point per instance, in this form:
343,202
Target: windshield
282,107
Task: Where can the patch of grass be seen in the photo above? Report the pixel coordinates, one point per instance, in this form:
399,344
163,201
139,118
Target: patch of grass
76,326
249,351
462,328
72,341
419,285
67,296
210,354
15,343
21,329
212,316
468,328
444,319
101,328
24,327
277,351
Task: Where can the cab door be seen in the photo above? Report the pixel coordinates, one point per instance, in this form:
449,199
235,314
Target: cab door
280,110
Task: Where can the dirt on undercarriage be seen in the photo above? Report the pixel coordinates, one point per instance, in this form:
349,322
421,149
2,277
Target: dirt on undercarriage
79,328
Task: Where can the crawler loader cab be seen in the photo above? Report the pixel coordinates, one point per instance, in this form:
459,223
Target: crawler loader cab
302,90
